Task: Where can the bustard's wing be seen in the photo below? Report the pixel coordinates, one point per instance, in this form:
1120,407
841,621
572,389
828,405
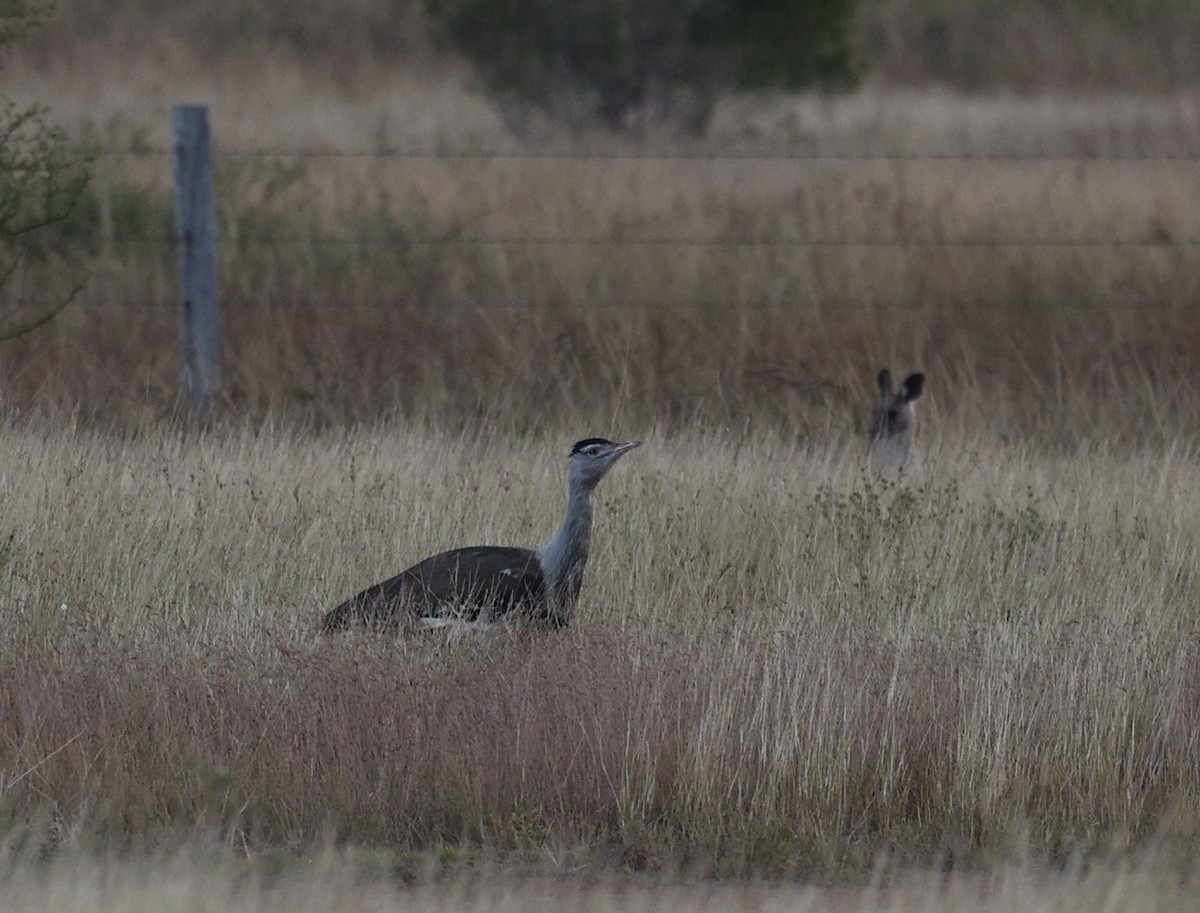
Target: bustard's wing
482,577
465,580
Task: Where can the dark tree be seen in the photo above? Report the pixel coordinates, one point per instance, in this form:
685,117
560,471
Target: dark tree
627,60
41,182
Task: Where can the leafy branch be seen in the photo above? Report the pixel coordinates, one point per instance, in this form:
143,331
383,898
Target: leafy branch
42,180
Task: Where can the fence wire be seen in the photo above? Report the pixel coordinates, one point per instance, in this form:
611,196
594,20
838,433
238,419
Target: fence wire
168,243
683,155
164,303
380,244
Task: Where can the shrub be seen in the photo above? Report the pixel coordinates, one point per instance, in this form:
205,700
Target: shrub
629,62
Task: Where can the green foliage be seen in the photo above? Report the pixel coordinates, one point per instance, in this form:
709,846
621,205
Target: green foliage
260,201
120,218
522,828
41,182
625,61
782,43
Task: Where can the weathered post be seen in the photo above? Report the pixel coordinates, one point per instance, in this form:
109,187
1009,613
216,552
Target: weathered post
200,328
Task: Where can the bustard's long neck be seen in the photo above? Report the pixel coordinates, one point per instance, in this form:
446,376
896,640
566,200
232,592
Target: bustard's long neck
564,557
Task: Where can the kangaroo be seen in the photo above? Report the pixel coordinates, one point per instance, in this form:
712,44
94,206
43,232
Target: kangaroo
892,421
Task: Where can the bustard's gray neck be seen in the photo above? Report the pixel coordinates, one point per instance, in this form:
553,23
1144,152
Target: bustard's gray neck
564,557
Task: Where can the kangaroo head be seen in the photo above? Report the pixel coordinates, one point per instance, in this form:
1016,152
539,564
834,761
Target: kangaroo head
893,414
892,420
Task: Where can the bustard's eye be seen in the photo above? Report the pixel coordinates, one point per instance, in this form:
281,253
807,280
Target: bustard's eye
593,450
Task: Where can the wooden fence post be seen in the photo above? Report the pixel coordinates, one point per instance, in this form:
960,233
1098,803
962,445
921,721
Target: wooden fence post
200,329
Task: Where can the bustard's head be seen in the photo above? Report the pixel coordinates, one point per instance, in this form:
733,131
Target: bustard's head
893,414
593,457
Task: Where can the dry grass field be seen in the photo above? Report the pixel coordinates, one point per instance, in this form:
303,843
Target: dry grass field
782,663
792,684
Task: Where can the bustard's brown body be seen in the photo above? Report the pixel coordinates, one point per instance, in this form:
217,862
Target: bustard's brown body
493,581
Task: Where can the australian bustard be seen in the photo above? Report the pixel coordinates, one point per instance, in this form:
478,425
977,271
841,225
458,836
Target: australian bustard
484,582
892,421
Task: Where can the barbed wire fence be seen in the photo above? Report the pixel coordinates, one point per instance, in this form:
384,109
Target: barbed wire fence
666,243
364,256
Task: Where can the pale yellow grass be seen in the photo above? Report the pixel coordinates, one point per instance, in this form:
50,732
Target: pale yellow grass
203,880
276,525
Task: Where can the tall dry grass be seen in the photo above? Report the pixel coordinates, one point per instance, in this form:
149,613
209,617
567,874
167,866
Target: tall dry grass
337,308
781,664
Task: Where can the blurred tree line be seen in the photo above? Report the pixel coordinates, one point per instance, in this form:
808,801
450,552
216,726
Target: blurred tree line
625,63
634,61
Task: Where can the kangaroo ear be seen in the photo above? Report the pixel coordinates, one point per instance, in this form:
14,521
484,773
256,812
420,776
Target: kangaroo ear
912,387
885,382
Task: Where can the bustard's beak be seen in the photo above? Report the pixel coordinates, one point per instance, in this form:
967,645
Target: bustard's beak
626,447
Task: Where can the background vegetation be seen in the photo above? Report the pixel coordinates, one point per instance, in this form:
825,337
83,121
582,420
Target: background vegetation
625,63
1026,45
1047,296
758,274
